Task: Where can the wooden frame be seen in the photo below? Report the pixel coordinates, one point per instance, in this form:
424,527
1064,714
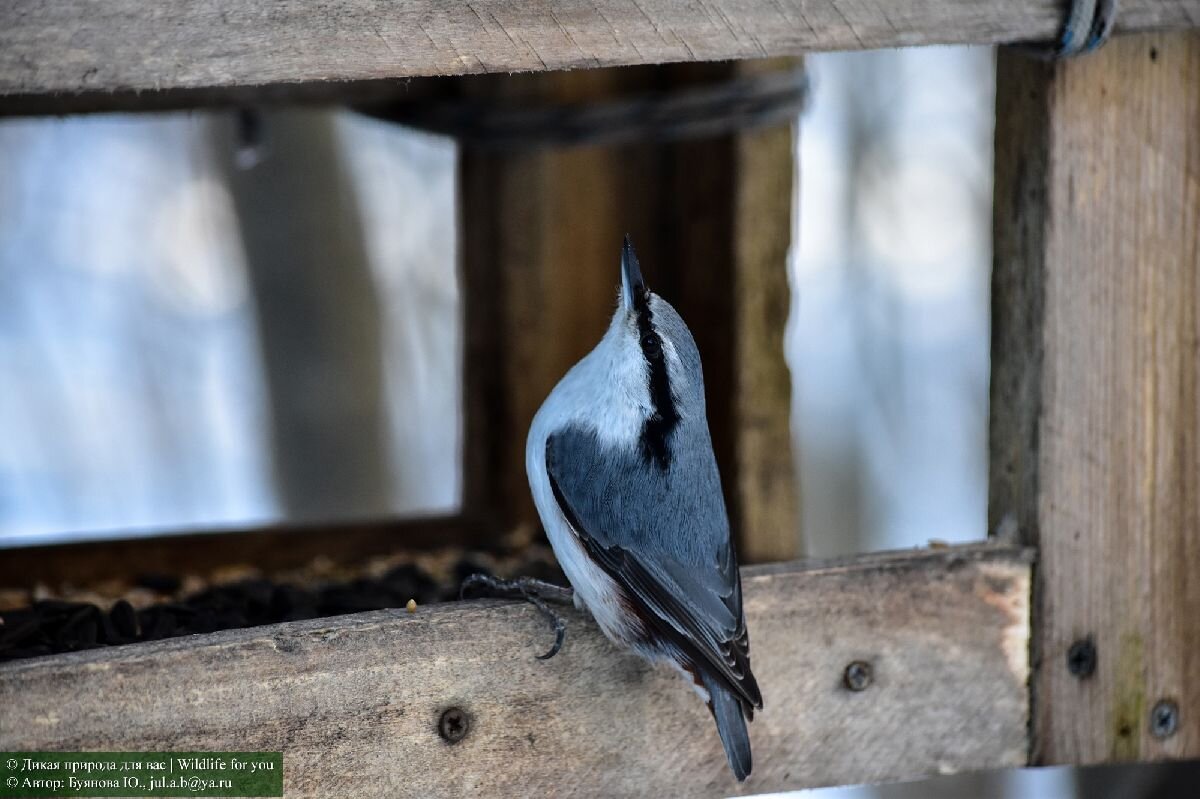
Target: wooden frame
355,701
1094,439
191,45
980,659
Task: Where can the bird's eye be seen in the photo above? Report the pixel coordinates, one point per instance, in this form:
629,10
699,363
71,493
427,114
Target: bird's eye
651,345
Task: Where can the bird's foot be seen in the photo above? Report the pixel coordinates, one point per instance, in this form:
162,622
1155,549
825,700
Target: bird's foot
535,592
1088,26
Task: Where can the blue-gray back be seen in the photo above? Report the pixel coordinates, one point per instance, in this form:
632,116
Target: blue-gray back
663,534
626,499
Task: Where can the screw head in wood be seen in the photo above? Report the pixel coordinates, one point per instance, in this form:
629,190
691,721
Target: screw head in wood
857,676
454,725
1081,658
1164,719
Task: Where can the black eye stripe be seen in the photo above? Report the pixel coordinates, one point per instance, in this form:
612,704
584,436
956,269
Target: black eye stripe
657,430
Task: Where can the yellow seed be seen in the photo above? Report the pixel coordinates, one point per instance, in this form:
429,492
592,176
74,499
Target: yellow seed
411,607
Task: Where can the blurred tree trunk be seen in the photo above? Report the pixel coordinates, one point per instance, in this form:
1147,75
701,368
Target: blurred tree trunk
317,309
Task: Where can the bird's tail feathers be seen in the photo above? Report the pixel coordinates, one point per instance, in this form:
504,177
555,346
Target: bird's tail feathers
731,725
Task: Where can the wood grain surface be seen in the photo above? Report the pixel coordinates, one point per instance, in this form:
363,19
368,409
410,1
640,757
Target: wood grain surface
72,46
354,702
766,182
1095,439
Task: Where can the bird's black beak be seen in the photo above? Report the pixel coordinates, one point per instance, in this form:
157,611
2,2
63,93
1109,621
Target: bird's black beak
632,285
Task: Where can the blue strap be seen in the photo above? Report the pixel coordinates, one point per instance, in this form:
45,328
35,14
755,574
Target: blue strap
1089,25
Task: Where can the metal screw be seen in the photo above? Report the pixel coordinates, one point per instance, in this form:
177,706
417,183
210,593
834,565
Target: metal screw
857,676
1081,658
1164,719
454,725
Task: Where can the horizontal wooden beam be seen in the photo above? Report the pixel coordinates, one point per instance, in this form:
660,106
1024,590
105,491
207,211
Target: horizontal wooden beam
271,549
84,46
354,702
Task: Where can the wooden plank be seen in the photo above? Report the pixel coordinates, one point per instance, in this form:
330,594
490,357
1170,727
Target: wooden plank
763,232
1095,435
272,548
73,46
354,702
712,221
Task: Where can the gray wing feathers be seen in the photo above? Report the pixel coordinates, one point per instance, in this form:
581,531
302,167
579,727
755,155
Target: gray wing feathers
664,536
631,503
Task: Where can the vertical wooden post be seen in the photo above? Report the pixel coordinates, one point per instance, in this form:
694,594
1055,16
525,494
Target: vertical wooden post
763,221
541,234
1095,430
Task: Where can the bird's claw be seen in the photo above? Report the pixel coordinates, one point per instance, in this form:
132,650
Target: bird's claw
560,626
533,591
475,580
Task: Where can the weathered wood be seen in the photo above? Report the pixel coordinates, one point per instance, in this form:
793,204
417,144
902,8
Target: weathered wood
711,219
354,702
763,226
268,548
72,46
1095,433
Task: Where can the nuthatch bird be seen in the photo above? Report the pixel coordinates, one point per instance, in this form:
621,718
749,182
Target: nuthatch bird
623,475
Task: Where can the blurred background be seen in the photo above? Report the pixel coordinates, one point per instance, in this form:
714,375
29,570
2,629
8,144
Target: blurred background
212,319
219,319
888,339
